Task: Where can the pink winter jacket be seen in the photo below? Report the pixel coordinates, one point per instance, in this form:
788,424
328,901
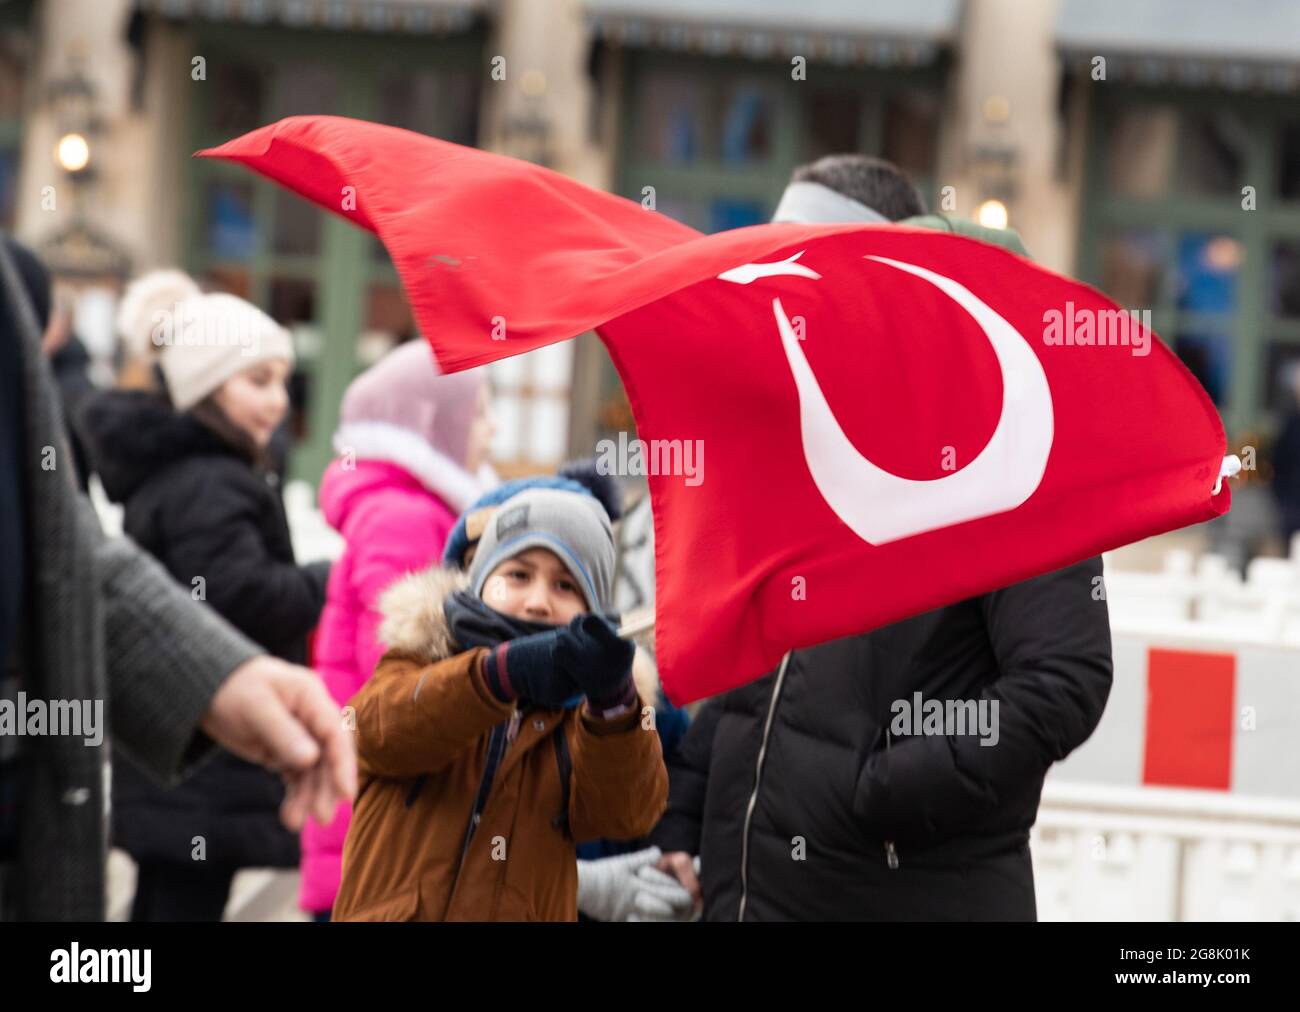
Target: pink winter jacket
392,525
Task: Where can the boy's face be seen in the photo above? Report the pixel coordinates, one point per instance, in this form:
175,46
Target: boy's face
535,585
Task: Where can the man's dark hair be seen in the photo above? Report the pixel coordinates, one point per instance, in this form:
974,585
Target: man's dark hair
879,184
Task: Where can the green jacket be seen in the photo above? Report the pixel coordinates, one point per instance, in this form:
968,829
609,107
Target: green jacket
1007,238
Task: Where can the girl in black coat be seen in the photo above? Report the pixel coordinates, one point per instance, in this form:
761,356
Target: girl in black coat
190,465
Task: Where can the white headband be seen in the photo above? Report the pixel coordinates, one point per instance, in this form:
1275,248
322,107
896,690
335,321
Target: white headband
814,204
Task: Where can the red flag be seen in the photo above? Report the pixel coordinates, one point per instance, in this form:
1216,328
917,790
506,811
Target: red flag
889,420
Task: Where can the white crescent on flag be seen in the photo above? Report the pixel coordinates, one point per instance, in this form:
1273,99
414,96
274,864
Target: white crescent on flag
880,507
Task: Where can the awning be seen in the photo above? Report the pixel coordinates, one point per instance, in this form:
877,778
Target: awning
412,16
884,32
1243,44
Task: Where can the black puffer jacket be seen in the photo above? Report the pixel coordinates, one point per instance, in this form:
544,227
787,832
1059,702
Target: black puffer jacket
218,526
852,822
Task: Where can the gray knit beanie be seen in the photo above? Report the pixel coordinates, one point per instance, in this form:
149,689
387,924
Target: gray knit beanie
573,525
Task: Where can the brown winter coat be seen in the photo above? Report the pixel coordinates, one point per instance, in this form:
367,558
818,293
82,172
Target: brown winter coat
424,723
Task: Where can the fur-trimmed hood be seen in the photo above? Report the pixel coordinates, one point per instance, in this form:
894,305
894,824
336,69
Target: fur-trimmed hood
414,622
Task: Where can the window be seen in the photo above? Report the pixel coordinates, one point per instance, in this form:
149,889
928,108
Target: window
1284,278
834,122
1208,266
670,111
746,116
231,225
1208,354
910,133
1288,162
1140,151
1213,159
1133,267
530,404
441,103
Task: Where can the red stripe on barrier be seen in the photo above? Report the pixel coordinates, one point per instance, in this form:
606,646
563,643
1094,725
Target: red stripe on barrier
1189,719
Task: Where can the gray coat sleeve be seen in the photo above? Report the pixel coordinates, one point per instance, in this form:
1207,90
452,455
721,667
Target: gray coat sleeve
165,654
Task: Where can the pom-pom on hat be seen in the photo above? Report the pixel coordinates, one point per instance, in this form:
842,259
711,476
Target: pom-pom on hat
145,302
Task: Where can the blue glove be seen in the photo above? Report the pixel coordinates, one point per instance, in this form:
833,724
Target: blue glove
586,656
528,666
598,661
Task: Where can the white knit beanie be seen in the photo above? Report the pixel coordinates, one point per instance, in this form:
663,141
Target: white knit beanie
202,341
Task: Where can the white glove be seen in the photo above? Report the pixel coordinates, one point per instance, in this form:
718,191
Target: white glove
661,898
613,888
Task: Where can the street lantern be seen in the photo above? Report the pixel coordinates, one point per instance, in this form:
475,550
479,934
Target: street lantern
992,214
88,262
74,100
72,152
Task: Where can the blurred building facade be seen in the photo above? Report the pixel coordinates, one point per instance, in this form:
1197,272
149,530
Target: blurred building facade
1151,149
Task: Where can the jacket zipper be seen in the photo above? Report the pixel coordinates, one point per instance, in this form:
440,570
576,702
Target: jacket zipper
758,776
496,749
891,852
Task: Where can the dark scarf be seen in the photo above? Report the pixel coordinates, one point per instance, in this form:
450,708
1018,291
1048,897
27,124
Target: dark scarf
475,624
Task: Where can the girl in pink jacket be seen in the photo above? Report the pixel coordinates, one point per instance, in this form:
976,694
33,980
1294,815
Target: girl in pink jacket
411,457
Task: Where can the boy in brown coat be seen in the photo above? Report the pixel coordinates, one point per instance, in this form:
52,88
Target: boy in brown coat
501,728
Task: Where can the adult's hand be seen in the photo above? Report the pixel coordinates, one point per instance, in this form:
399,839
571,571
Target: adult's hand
280,716
681,866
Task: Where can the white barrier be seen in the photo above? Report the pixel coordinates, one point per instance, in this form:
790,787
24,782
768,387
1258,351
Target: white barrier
1151,854
110,513
1205,595
1111,843
313,538
1236,715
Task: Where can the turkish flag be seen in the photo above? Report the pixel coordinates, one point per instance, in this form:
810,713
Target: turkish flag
880,420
